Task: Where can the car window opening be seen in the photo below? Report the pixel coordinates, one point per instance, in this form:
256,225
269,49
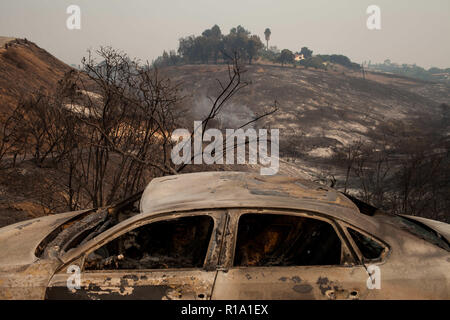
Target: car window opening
176,243
283,240
370,249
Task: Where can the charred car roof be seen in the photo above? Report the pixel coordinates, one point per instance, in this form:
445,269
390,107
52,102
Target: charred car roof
213,190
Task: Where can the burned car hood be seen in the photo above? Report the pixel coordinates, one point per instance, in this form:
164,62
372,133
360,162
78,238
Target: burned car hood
20,240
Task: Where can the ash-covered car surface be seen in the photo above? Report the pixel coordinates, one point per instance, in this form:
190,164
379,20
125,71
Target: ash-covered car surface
227,235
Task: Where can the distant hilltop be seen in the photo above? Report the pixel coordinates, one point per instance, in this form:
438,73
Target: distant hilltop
24,69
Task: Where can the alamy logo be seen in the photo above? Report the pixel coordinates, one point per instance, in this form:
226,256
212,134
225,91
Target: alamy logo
374,280
74,20
374,20
214,152
74,280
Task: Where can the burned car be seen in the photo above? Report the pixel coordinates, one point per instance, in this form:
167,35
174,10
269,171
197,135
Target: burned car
227,235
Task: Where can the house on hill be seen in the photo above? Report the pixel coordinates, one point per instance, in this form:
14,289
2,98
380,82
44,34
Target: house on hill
299,57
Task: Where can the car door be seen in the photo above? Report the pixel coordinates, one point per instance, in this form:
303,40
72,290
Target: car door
287,255
169,257
402,269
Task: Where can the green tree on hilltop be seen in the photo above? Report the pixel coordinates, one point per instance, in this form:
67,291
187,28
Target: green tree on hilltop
286,56
306,52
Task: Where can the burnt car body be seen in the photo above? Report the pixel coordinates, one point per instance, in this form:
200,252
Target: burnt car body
227,235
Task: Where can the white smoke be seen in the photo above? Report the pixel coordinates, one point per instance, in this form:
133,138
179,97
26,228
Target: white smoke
232,115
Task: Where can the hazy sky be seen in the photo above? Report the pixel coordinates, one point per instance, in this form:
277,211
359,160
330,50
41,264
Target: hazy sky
412,31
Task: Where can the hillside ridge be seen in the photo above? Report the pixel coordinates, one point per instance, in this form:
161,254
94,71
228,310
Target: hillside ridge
31,67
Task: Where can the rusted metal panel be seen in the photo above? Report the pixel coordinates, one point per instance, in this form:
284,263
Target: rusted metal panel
19,241
27,282
139,284
291,283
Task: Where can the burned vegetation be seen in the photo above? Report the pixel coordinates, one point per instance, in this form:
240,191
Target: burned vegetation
103,132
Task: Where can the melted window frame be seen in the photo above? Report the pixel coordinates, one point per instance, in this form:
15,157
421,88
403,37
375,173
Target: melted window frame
130,224
347,258
362,259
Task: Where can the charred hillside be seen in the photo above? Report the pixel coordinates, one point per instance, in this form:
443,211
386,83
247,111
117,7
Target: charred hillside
383,138
380,137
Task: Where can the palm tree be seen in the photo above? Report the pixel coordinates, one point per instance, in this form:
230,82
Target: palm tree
267,34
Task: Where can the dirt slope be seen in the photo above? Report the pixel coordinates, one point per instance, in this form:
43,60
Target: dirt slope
25,68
